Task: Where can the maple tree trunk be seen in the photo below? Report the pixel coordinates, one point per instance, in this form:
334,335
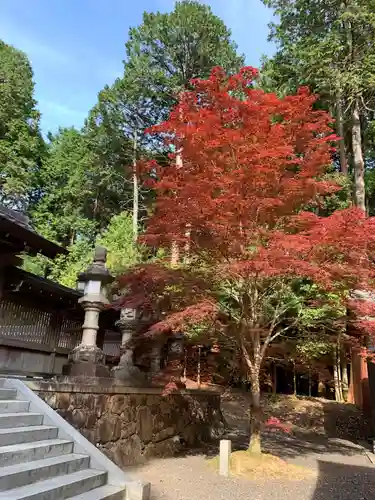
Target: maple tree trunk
359,164
175,250
274,379
185,365
187,244
294,379
339,365
336,383
255,412
339,377
344,379
199,367
336,375
175,254
321,387
340,131
135,190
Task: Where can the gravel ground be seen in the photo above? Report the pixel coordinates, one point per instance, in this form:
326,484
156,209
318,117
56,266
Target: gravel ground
189,478
343,470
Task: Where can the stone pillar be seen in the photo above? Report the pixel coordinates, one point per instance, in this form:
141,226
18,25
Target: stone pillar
174,369
155,359
126,373
87,359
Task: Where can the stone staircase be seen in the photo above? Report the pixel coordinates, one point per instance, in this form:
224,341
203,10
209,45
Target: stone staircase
43,458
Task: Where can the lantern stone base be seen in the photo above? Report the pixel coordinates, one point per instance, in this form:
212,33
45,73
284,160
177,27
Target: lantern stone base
86,361
84,370
127,374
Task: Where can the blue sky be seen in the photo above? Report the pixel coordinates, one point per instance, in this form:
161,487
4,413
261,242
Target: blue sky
77,46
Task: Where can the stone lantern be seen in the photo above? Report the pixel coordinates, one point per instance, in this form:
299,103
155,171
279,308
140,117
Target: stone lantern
87,359
126,372
173,371
175,359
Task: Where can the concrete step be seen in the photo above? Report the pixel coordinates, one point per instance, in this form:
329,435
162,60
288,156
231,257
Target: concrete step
8,393
13,406
19,435
58,488
103,493
20,419
19,453
15,476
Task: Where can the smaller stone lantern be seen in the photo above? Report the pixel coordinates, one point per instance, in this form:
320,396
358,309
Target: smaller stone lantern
87,359
126,372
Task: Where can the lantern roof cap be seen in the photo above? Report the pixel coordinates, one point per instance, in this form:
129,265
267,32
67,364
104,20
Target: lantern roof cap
97,271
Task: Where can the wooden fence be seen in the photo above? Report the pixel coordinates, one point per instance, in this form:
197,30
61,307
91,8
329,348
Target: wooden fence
40,323
35,340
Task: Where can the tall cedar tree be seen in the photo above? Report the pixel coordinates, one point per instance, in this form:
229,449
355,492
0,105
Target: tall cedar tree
21,143
330,46
252,164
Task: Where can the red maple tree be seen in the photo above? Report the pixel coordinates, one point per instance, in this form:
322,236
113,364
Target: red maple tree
248,190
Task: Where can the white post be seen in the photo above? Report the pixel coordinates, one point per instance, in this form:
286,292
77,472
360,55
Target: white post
224,458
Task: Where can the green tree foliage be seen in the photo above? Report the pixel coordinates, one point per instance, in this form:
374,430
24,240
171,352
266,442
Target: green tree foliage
325,44
21,145
167,50
111,145
79,197
65,268
331,47
118,240
163,54
65,210
80,192
115,129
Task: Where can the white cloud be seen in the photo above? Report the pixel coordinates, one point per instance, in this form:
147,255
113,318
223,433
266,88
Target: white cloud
59,109
35,49
45,57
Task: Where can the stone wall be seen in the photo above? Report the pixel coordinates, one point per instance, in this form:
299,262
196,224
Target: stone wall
132,425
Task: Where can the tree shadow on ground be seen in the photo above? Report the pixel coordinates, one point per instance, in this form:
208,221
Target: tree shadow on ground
346,421
288,446
317,415
344,482
320,427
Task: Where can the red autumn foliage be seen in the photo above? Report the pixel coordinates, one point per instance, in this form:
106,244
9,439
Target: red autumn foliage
241,204
274,424
246,164
252,164
159,289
